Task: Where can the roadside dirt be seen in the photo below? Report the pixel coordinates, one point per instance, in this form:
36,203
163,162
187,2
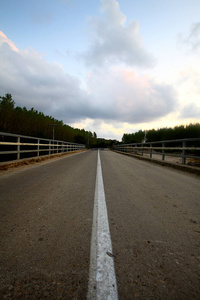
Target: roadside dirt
17,165
191,166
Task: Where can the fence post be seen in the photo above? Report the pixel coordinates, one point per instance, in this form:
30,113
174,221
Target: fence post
142,150
135,149
183,153
38,148
18,147
163,151
150,150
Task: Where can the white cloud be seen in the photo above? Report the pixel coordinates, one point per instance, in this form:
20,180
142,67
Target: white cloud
114,41
191,40
194,37
110,99
117,95
33,82
190,111
107,130
122,96
4,39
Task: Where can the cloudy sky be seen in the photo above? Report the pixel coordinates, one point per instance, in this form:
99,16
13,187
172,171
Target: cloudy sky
108,66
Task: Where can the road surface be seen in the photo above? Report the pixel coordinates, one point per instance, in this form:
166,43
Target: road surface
46,218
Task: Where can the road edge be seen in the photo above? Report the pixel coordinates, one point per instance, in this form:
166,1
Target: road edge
4,166
184,168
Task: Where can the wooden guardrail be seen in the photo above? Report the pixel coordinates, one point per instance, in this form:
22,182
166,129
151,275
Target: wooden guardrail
13,146
184,148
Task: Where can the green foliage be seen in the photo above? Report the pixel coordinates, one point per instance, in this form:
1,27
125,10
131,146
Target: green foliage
21,121
103,143
79,139
133,137
6,112
162,134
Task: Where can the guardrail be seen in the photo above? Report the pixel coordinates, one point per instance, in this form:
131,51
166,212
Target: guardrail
189,148
13,146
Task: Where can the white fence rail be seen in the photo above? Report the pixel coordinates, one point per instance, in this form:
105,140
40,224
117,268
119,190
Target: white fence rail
184,148
13,146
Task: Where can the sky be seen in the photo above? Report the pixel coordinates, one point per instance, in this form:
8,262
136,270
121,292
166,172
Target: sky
108,66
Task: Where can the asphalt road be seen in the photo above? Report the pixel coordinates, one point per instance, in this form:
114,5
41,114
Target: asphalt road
46,217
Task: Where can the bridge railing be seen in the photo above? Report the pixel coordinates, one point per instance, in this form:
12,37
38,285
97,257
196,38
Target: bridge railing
13,146
184,148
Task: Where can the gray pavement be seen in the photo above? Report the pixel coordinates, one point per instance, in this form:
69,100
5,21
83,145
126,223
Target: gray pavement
46,214
154,215
46,222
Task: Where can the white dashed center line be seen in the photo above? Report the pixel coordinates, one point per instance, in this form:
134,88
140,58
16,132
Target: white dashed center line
102,281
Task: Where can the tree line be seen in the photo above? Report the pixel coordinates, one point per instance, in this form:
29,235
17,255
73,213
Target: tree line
20,120
162,134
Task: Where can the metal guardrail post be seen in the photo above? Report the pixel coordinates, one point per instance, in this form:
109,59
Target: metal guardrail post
163,151
183,153
135,149
18,147
38,148
34,147
148,147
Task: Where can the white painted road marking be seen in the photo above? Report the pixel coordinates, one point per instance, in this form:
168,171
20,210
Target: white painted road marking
102,281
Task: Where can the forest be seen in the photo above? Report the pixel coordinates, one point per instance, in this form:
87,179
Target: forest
162,134
20,120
